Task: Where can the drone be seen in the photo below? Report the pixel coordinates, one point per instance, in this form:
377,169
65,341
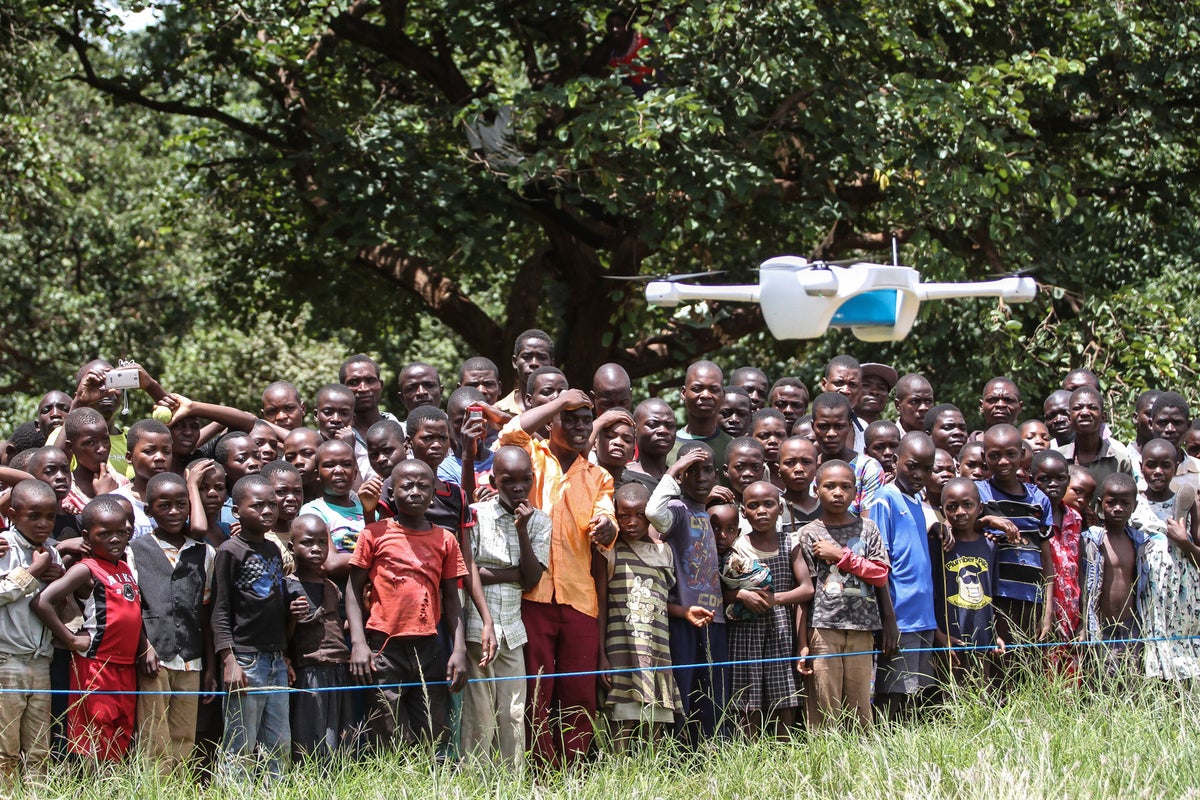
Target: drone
802,299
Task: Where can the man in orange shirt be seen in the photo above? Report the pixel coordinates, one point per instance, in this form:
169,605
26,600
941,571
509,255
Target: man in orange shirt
561,612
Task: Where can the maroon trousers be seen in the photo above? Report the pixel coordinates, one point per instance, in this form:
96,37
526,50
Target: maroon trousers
560,710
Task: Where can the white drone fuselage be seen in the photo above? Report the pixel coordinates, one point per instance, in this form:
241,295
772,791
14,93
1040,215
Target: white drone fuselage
802,300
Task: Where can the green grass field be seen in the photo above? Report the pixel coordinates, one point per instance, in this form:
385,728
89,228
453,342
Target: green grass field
1046,742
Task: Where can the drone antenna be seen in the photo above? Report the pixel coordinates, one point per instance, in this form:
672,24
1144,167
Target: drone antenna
895,251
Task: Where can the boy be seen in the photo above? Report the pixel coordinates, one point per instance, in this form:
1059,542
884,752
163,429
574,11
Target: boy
905,671
832,424
238,456
334,413
789,396
676,508
289,491
701,394
249,629
797,465
914,399
770,429
972,463
100,725
532,350
340,507
25,649
52,466
149,454
511,549
654,432
1060,614
174,575
753,381
848,564
947,426
1035,433
746,463
411,569
735,412
1101,455
1081,489
86,439
321,706
882,441
1109,577
964,583
944,469
282,406
300,450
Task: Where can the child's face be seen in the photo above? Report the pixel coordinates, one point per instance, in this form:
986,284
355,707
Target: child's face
300,450
631,519
310,543
109,535
1036,434
334,411
35,520
1025,470
972,464
755,385
152,455
283,407
184,435
212,492
614,446
724,521
1053,477
412,490
1003,452
513,479
337,468
883,448
949,431
943,470
1080,490
913,465
836,490
771,432
431,441
170,508
257,509
1191,442
546,387
385,451
289,491
266,443
791,401
960,505
52,410
698,481
53,468
1117,506
805,429
91,447
735,414
831,426
761,506
744,467
241,459
1158,466
797,464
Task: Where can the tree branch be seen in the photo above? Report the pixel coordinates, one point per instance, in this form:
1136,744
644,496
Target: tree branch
677,348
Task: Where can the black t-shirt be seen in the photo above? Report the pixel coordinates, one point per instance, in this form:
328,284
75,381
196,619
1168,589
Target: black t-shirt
963,586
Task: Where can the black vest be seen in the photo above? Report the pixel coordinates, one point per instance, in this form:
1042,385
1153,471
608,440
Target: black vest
172,599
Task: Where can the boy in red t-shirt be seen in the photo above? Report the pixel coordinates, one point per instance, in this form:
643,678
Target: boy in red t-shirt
403,575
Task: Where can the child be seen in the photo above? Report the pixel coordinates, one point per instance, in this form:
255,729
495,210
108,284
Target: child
964,584
249,628
615,443
174,575
1060,616
386,447
1036,434
905,671
944,469
321,706
1081,490
677,509
832,424
1109,577
797,465
947,426
881,442
52,466
25,650
746,464
238,456
511,550
972,463
762,683
86,439
340,507
770,429
641,573
735,412
282,406
1172,577
409,569
848,563
300,450
289,491
100,726
149,454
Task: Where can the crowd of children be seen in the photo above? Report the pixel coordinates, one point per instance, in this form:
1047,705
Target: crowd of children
497,579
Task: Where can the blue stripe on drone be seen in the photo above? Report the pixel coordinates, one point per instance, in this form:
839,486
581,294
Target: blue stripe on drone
870,308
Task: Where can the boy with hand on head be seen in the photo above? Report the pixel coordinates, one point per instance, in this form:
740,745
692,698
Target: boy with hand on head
404,575
174,575
25,648
905,670
149,454
848,563
964,581
249,629
511,549
100,726
676,508
321,712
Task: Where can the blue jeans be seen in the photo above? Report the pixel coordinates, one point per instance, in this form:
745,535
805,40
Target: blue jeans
257,719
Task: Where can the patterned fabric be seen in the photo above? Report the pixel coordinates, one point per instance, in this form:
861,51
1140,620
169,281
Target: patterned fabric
1091,576
345,523
756,685
640,575
741,572
868,477
495,545
1169,602
843,601
1064,553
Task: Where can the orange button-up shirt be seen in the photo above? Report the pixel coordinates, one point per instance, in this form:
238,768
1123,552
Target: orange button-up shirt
571,499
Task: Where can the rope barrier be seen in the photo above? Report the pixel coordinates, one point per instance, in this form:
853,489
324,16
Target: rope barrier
496,679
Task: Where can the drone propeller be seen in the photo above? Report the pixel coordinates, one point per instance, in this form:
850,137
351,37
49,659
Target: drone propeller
668,278
1022,272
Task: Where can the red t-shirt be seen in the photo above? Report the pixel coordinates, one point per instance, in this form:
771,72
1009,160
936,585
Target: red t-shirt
405,569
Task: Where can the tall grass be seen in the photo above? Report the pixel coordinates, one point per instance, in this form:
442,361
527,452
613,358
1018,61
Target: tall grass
1046,741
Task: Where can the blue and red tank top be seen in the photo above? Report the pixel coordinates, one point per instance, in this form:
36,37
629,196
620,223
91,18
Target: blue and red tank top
112,613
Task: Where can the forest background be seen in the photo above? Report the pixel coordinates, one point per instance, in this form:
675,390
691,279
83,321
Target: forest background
233,192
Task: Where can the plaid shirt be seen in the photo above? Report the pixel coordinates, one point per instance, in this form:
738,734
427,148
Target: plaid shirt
494,544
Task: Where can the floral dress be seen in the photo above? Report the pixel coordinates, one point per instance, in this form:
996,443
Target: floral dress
1169,601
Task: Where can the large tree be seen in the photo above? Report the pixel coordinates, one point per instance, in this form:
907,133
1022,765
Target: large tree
487,161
